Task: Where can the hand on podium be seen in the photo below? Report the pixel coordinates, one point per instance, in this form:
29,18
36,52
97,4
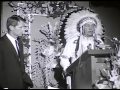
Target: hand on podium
64,62
68,79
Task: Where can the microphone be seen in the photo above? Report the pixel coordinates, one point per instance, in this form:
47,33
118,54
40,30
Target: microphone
115,40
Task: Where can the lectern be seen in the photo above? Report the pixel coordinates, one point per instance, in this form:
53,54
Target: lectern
85,71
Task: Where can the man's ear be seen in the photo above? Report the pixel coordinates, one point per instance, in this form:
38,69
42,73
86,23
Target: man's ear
11,27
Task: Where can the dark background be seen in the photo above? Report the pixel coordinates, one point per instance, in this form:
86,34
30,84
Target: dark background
109,13
105,3
0,16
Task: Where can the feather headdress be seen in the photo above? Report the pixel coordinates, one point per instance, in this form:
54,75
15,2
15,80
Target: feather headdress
80,17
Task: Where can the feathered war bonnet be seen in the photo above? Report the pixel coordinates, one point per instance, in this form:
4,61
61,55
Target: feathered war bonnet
76,19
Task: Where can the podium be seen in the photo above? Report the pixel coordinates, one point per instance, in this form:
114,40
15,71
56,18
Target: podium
85,70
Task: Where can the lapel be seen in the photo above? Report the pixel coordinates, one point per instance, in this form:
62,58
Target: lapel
10,46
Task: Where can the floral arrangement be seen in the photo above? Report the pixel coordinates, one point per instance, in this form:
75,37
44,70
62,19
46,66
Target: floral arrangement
110,76
48,8
47,50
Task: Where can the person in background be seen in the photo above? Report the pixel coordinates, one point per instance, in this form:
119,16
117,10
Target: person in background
12,69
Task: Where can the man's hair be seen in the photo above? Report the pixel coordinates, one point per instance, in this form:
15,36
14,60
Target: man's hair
13,21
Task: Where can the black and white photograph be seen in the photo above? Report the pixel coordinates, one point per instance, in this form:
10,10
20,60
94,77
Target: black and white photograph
60,45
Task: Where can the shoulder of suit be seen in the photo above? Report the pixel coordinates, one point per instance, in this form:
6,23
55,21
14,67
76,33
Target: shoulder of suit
2,39
1,42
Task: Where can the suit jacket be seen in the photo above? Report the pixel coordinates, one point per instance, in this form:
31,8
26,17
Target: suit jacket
12,70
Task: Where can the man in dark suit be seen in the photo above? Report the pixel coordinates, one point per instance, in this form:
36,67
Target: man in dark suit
12,69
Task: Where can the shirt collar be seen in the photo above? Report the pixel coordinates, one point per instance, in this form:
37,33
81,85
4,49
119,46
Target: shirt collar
10,37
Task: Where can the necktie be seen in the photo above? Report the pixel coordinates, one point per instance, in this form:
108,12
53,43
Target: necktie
17,47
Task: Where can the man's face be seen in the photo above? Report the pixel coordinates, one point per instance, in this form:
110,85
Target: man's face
18,30
88,29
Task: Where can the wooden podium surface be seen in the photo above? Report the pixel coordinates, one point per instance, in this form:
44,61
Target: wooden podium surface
85,70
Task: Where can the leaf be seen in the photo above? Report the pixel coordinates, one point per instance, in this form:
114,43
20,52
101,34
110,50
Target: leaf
104,77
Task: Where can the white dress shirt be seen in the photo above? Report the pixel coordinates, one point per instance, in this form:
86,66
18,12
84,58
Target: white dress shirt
12,41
